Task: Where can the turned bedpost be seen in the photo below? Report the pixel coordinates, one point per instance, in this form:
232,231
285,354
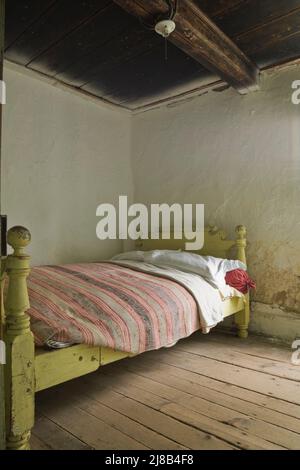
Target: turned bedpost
19,369
242,318
241,243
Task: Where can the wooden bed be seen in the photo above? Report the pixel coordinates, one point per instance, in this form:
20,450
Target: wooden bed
29,369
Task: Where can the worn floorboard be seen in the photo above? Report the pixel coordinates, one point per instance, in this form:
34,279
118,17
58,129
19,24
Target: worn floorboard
207,392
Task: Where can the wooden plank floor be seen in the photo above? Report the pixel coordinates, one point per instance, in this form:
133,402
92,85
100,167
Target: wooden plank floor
207,392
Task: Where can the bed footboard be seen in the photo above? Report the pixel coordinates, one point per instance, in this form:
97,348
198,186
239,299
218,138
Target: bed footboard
19,369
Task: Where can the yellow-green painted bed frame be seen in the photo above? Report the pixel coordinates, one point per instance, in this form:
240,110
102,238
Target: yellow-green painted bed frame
29,369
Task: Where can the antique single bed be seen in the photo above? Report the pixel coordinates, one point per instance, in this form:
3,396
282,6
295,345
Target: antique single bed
30,369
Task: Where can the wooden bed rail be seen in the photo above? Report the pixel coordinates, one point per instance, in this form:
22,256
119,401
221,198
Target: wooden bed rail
19,369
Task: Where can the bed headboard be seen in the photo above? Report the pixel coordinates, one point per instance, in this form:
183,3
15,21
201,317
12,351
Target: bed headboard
215,244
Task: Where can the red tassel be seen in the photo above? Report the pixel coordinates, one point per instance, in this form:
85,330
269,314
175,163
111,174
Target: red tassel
240,280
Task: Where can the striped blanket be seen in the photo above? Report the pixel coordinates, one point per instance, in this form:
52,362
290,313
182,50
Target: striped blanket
106,304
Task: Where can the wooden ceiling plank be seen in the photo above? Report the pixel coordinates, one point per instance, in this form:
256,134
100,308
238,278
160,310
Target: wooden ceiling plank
138,79
132,43
56,23
199,37
134,74
86,39
280,52
20,14
218,8
267,34
250,15
161,91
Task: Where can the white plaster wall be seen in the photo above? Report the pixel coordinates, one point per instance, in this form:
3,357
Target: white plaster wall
62,156
240,155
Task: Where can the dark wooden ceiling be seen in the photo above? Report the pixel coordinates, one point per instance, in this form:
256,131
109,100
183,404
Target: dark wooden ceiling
96,46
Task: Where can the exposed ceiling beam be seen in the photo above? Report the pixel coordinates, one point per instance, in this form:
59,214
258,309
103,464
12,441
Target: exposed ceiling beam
199,37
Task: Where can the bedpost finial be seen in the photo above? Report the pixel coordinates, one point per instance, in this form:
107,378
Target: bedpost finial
241,232
18,238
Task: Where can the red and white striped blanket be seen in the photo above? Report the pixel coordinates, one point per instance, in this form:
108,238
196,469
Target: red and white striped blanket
106,304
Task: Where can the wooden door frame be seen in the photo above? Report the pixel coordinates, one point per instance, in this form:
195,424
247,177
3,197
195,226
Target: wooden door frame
2,391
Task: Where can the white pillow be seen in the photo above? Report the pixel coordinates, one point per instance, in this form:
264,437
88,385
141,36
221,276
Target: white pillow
211,268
